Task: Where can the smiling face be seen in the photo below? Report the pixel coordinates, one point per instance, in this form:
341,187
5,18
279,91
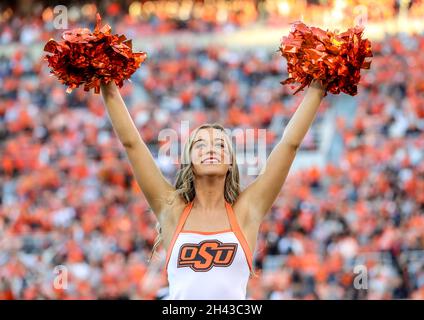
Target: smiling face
210,153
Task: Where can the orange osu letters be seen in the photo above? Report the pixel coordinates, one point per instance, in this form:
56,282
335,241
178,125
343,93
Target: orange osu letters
207,254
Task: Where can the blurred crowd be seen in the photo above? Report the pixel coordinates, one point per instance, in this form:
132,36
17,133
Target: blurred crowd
32,21
72,215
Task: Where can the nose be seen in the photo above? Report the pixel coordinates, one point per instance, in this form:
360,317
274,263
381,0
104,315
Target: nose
210,153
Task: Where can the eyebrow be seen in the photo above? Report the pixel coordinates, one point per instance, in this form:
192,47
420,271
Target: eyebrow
200,139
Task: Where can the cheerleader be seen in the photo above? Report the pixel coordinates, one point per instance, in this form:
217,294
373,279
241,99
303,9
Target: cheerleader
208,225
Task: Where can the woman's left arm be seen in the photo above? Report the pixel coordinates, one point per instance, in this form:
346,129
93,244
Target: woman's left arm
262,192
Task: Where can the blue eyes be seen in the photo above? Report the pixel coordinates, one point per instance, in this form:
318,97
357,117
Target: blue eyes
201,145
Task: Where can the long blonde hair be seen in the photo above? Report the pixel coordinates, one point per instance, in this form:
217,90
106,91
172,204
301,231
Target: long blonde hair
184,184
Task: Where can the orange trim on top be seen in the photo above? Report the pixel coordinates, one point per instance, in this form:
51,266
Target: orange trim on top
205,232
180,225
234,227
239,234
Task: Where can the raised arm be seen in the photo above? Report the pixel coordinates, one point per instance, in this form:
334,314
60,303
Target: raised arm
148,176
262,192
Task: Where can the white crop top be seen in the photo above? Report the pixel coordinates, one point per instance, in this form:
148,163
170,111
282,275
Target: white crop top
208,265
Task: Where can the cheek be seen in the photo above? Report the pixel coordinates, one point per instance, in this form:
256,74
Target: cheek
195,157
226,157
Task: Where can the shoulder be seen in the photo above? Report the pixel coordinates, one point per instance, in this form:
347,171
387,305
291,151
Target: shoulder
246,212
171,210
169,218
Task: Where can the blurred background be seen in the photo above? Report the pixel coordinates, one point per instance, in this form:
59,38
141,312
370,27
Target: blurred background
354,196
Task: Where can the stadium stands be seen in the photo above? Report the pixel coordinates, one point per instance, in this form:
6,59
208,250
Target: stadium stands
68,197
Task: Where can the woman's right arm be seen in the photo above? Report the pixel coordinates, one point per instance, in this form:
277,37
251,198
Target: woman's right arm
148,176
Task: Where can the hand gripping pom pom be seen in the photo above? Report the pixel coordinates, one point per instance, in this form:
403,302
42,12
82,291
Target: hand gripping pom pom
333,59
89,58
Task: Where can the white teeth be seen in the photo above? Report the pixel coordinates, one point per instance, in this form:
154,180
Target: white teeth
211,161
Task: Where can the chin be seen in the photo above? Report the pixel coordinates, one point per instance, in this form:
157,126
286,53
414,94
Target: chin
211,170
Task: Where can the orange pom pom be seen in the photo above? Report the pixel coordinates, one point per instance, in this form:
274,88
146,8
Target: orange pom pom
333,59
89,58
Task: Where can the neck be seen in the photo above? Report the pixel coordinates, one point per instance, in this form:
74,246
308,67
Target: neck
209,192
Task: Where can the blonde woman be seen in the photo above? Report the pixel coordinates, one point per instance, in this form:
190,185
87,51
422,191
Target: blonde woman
208,225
